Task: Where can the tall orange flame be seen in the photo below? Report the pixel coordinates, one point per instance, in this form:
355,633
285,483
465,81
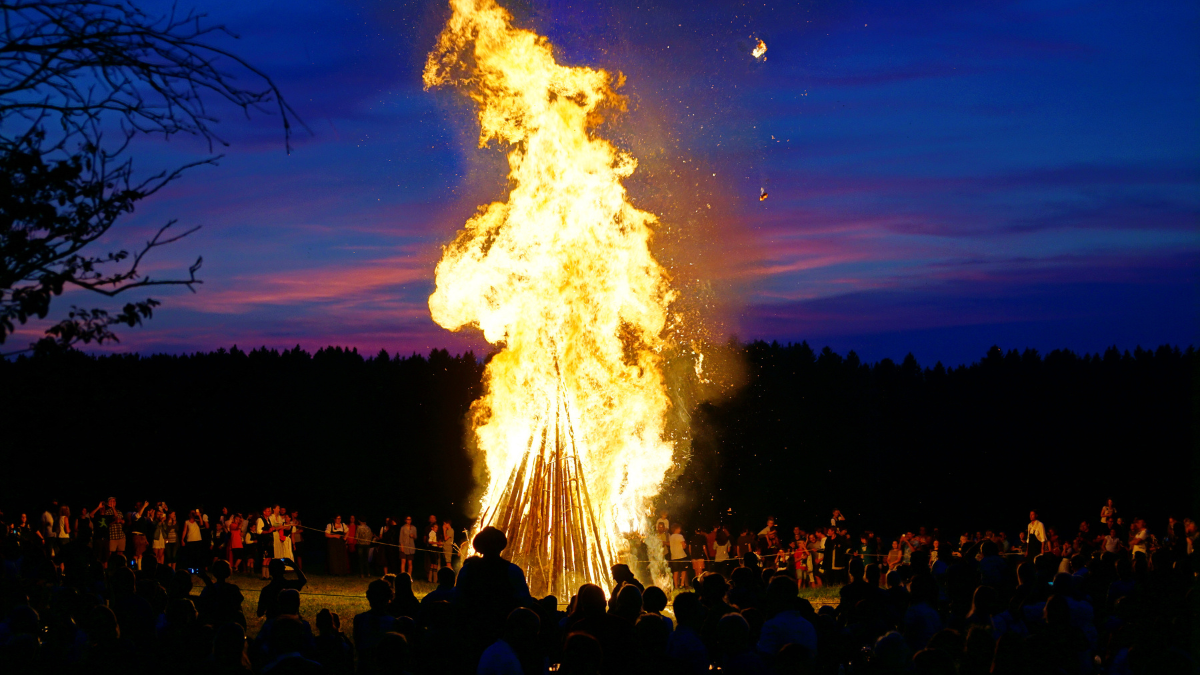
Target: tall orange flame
572,424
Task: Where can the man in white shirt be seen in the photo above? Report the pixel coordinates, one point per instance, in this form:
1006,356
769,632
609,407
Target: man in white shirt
1140,539
1037,536
679,557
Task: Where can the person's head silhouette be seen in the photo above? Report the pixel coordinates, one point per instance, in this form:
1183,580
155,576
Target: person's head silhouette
490,542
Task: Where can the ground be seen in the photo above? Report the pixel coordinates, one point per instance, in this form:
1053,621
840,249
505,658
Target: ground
347,596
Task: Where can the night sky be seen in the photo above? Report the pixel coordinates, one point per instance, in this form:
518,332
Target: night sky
942,176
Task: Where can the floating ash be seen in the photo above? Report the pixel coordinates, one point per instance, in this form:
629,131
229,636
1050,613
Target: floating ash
759,50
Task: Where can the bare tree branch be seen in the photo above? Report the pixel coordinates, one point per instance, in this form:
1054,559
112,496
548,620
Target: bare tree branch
72,71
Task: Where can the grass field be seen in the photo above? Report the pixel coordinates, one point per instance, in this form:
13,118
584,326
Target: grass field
347,596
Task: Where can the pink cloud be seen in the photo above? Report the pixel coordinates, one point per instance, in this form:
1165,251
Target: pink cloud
373,281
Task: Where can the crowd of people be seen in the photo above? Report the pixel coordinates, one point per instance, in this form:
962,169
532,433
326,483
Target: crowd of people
112,592
242,540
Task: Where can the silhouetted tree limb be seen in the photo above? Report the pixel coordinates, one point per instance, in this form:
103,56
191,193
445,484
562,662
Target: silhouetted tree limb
70,72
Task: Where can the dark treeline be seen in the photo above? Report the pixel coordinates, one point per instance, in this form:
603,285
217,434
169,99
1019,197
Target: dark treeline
316,432
894,445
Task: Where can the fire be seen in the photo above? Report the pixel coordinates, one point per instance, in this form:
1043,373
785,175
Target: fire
759,49
572,424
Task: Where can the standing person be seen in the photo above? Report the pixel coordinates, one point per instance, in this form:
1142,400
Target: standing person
434,544
281,535
408,545
110,519
273,544
1107,511
171,550
335,539
83,532
820,570
661,534
769,528
262,532
837,520
249,543
447,542
236,542
364,539
193,542
800,561
49,517
62,534
1037,536
814,559
679,557
698,548
352,543
26,536
745,543
433,552
142,528
221,539
1139,537
835,556
297,539
158,543
389,541
721,545
895,556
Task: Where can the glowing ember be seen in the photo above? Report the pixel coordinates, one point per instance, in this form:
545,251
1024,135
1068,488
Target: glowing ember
759,50
561,275
762,194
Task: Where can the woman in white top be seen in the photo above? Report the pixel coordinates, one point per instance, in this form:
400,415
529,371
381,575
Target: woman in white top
1107,511
721,552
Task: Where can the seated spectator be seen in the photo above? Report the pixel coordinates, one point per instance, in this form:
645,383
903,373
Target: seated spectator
229,651
286,644
921,620
785,623
737,647
279,582
651,637
582,655
518,651
445,587
614,632
371,625
404,601
392,655
685,647
627,603
220,602
621,574
654,601
332,649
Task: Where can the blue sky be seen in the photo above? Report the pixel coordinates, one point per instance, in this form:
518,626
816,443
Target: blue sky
942,176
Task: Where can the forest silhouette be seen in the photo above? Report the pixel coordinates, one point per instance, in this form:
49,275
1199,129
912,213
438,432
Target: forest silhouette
892,444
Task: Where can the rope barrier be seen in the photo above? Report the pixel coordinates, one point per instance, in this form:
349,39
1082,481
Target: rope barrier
461,547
